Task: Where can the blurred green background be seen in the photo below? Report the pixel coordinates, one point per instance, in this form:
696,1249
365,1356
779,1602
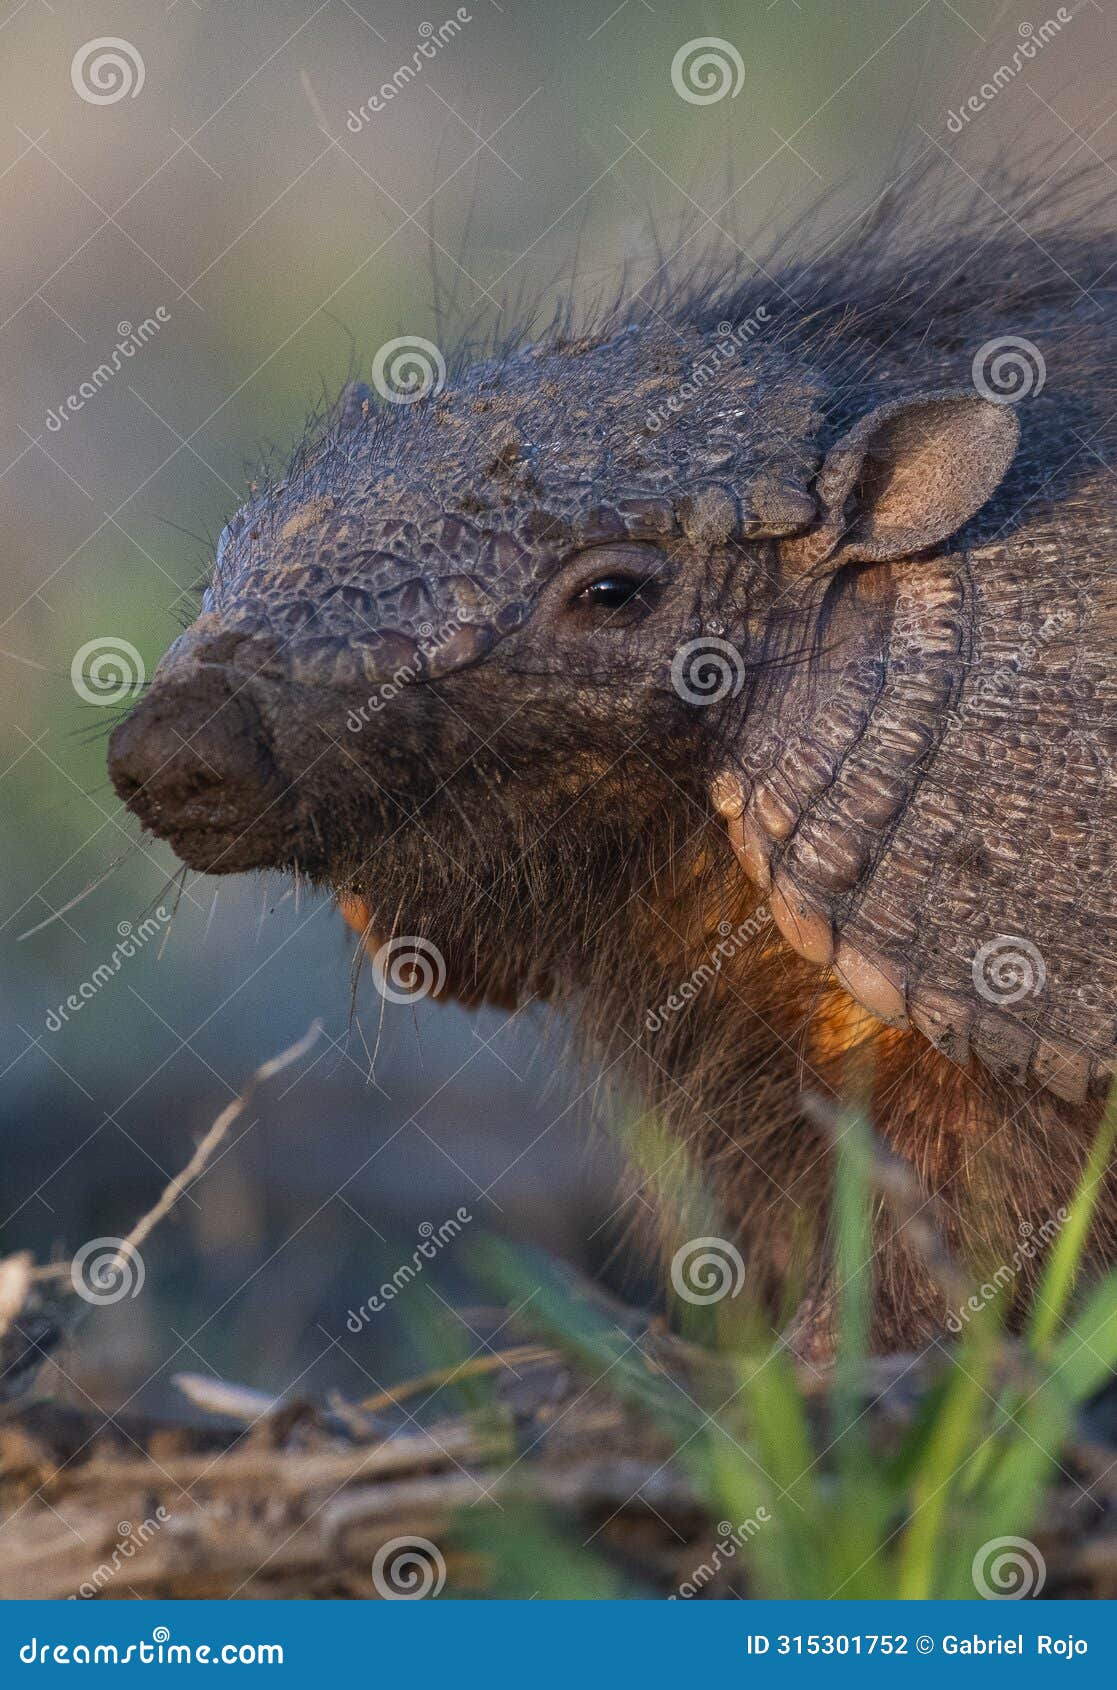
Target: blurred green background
231,192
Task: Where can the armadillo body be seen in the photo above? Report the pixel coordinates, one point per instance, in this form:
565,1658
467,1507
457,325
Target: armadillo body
451,667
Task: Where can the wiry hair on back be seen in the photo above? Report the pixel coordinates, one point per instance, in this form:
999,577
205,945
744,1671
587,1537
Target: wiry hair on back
874,299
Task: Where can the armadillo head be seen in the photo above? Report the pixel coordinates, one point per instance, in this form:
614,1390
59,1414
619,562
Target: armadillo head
488,662
434,667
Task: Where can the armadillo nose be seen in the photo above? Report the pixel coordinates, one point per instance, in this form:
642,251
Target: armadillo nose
192,762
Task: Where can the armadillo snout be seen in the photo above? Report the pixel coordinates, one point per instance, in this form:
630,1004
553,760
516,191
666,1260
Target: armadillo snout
192,762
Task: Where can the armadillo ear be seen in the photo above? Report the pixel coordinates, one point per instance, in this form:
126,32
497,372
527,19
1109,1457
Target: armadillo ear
907,476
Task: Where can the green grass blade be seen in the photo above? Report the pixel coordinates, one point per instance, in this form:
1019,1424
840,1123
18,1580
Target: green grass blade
954,1435
1086,1354
1065,1261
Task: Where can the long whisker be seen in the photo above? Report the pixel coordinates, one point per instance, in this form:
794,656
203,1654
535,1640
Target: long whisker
79,897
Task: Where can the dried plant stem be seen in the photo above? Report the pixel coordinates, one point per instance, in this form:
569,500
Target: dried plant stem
200,1159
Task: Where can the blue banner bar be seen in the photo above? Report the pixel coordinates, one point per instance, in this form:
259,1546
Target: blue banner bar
535,1645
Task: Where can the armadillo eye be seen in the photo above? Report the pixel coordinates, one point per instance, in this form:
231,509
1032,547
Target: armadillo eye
612,593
